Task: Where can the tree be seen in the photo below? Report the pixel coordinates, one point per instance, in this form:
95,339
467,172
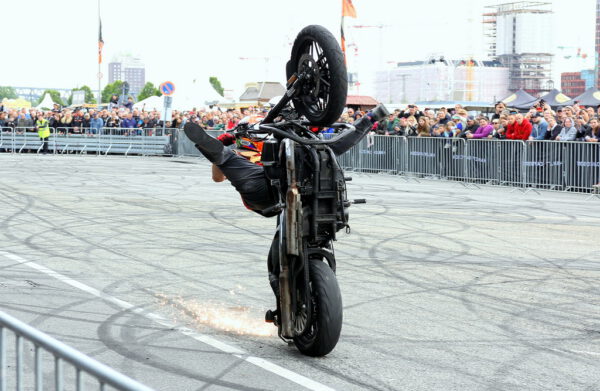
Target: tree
216,84
89,95
147,91
111,89
54,95
8,92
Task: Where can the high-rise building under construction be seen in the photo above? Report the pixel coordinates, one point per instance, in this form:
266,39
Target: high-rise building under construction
597,51
520,36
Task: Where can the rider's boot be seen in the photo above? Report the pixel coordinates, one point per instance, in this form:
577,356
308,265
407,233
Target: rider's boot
361,127
211,148
273,316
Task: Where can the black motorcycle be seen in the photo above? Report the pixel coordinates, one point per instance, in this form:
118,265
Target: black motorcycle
311,191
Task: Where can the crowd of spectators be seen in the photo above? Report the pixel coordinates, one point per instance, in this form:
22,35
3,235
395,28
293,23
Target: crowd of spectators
124,116
541,122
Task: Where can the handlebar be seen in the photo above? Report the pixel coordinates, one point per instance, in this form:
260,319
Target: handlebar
274,129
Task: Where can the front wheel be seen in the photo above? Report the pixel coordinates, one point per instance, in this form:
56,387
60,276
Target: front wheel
317,56
326,325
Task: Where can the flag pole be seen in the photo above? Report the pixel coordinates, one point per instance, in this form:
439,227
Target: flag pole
99,61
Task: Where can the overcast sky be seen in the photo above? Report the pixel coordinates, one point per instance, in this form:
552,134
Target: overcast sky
54,43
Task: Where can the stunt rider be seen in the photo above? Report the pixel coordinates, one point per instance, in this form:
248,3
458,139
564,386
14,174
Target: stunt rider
249,179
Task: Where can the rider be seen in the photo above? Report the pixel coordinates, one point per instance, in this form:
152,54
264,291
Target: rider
248,178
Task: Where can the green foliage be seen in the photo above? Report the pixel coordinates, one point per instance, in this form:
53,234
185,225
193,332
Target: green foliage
111,89
216,84
8,92
54,95
89,95
147,91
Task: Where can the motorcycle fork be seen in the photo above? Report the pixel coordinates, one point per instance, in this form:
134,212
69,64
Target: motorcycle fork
292,247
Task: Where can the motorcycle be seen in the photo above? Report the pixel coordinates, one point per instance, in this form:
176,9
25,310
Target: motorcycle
312,204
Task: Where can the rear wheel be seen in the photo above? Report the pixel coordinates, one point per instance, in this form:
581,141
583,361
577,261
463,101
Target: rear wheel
317,55
326,321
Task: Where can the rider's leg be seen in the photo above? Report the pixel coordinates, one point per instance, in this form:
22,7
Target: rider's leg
248,178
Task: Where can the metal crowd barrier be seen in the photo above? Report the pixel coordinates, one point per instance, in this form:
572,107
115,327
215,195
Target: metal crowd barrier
551,165
153,141
59,353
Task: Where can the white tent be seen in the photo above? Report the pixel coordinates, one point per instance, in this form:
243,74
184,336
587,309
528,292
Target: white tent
46,103
196,94
150,103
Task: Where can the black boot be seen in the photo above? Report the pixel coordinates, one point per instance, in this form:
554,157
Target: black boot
210,147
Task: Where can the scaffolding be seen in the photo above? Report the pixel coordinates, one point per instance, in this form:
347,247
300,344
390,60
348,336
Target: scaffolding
514,36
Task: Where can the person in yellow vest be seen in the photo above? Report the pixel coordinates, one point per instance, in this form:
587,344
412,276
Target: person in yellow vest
43,130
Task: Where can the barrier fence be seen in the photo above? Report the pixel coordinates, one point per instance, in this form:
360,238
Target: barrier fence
551,165
97,375
89,140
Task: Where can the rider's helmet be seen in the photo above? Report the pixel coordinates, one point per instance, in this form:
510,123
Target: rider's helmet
247,147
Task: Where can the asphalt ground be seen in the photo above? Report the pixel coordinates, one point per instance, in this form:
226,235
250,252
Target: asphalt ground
149,267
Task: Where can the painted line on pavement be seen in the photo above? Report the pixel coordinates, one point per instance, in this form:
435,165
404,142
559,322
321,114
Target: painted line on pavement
222,346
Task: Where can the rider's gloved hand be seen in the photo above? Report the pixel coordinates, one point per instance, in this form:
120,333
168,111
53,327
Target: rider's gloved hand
226,138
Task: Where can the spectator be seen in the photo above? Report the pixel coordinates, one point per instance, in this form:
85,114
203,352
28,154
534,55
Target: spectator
128,122
2,119
129,104
593,132
113,121
147,124
86,122
177,121
402,129
581,126
233,121
350,113
499,107
483,130
442,118
66,122
460,121
499,126
23,121
568,112
411,130
219,125
411,111
446,130
521,129
54,121
11,122
96,124
113,103
554,129
392,124
423,127
77,121
568,132
472,124
540,127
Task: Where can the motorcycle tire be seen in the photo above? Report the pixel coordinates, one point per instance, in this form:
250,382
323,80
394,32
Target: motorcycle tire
324,332
322,96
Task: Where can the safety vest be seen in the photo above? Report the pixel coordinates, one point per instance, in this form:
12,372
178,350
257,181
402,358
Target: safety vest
43,129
